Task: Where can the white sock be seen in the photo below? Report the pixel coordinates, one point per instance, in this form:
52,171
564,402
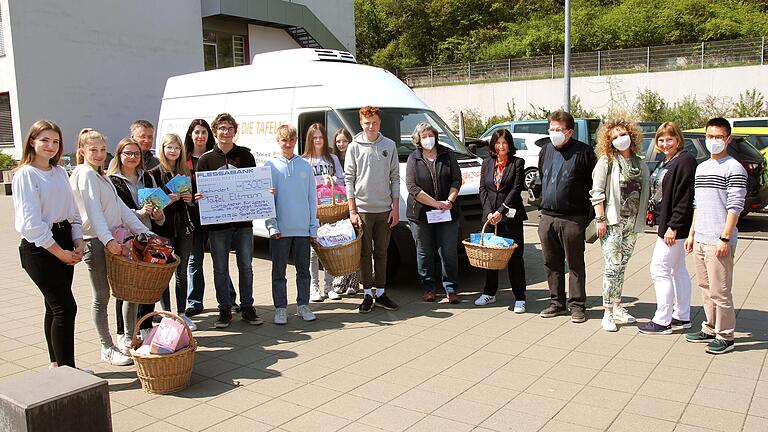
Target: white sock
367,291
379,292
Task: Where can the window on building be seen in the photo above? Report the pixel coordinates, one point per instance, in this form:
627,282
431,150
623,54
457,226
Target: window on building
221,49
6,126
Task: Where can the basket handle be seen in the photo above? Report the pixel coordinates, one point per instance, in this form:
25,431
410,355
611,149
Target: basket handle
482,233
162,313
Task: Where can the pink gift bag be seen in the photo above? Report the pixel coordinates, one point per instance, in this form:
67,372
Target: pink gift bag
168,337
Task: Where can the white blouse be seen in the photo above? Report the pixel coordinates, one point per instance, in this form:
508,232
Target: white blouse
100,206
41,198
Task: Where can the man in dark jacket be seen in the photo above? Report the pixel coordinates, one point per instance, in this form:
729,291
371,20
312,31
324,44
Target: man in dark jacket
565,166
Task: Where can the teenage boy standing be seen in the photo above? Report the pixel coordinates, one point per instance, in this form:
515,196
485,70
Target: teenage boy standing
720,188
227,155
294,224
566,166
371,173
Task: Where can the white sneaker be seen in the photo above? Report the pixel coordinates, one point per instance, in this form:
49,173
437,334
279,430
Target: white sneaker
608,322
338,290
113,356
622,316
351,291
305,313
192,326
333,295
485,300
315,295
124,344
281,316
519,307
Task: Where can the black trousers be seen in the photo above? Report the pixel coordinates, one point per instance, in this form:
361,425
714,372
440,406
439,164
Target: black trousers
54,279
562,238
143,310
516,265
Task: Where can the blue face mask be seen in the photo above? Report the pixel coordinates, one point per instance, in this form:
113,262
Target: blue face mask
715,146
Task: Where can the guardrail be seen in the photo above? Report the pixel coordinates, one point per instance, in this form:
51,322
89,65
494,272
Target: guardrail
736,52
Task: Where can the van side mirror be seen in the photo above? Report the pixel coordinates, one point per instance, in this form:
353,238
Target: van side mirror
473,148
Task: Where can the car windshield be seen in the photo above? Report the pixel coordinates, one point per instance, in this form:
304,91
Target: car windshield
398,125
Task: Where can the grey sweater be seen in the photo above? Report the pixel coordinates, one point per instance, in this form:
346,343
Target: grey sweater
721,186
371,173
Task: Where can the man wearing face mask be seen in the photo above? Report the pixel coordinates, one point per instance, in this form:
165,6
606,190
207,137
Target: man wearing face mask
565,167
719,191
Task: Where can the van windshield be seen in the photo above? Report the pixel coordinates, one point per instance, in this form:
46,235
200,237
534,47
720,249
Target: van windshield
398,124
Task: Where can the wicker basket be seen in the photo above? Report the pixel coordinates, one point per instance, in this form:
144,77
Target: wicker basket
333,212
138,281
343,259
167,373
487,256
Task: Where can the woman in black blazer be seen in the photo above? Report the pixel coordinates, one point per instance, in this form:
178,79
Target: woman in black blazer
433,178
501,183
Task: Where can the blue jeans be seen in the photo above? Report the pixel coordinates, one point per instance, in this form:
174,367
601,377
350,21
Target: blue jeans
196,290
221,241
441,238
182,246
279,249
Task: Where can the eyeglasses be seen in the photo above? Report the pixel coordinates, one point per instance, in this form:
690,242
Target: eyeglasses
173,149
131,154
223,129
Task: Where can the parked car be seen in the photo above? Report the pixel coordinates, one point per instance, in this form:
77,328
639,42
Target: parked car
585,130
739,148
648,126
527,145
749,122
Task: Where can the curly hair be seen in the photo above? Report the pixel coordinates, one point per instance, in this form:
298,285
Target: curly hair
604,140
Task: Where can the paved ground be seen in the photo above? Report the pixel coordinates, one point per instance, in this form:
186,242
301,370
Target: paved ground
430,367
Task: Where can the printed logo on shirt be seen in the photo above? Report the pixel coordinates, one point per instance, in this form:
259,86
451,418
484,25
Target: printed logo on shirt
385,153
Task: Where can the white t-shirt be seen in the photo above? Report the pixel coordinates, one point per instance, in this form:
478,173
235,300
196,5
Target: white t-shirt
41,198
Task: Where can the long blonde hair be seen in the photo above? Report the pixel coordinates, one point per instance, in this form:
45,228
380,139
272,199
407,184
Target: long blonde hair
28,152
605,143
117,167
180,165
85,136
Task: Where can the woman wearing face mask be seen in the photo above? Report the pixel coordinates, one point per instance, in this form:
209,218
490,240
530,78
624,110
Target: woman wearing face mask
619,193
344,284
433,179
672,197
326,166
501,183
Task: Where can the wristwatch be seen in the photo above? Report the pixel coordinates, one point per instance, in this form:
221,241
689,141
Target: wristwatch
725,239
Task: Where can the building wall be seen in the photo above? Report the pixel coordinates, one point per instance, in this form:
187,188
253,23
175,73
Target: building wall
265,39
8,76
338,16
100,64
597,93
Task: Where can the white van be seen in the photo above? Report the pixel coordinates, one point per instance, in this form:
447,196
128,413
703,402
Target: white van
304,86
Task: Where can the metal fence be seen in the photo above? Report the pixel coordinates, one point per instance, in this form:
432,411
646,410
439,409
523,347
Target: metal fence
736,52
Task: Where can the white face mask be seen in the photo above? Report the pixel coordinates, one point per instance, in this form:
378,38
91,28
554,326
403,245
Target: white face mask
715,146
557,138
622,142
428,143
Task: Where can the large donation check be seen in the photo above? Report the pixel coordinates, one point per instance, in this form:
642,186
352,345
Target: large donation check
235,195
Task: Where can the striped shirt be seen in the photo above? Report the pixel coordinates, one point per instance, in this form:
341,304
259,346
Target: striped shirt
720,188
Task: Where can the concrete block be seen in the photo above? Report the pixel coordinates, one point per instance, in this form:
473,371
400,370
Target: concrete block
63,399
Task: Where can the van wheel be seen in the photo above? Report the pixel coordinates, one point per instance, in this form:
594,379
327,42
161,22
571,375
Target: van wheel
529,177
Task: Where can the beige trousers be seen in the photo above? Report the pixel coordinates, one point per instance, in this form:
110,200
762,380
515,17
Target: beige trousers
714,276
